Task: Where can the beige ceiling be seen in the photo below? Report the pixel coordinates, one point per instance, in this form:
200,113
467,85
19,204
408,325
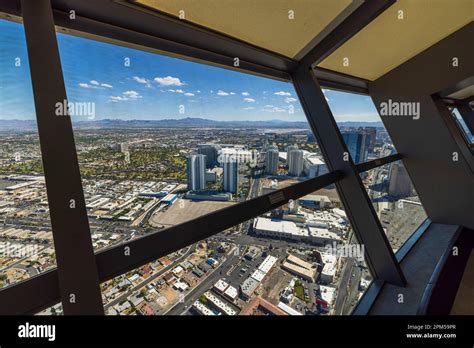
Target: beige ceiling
388,41
263,23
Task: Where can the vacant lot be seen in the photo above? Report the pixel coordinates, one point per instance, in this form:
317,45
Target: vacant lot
184,209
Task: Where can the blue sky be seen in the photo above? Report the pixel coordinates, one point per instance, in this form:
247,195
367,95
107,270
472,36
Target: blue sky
155,86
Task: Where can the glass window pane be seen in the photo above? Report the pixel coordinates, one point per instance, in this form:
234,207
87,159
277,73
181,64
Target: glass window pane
395,200
360,124
462,125
314,267
161,140
26,240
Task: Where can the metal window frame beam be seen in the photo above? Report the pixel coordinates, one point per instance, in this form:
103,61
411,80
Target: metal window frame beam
341,82
365,223
356,21
363,167
458,134
113,261
77,271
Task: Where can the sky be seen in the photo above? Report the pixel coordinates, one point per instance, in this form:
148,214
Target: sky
125,83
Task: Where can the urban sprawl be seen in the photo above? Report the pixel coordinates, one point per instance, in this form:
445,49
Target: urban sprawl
299,259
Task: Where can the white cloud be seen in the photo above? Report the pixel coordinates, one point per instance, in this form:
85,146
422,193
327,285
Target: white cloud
249,100
180,91
189,94
289,100
171,90
271,108
132,94
116,99
198,91
232,93
95,84
169,81
142,81
285,94
245,94
127,95
222,93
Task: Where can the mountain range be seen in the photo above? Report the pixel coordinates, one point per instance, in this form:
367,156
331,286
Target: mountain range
189,122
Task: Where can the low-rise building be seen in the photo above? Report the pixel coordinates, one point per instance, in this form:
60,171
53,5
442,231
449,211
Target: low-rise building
288,309
327,295
202,308
219,304
231,293
253,253
300,268
329,268
248,287
220,286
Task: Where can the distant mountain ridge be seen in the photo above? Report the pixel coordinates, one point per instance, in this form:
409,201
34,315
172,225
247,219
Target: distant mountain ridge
189,122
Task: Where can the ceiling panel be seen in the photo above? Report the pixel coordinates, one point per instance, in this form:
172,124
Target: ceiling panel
389,41
264,23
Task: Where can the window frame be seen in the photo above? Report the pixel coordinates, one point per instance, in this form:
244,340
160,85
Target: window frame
266,64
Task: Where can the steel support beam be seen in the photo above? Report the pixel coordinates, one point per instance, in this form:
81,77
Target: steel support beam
357,20
341,82
77,272
364,220
363,167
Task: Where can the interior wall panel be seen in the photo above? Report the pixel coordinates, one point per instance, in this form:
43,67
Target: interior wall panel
444,185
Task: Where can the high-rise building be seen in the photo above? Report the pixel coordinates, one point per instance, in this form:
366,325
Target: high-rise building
399,182
372,132
231,174
358,145
123,147
196,170
314,166
210,151
271,161
295,160
288,149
